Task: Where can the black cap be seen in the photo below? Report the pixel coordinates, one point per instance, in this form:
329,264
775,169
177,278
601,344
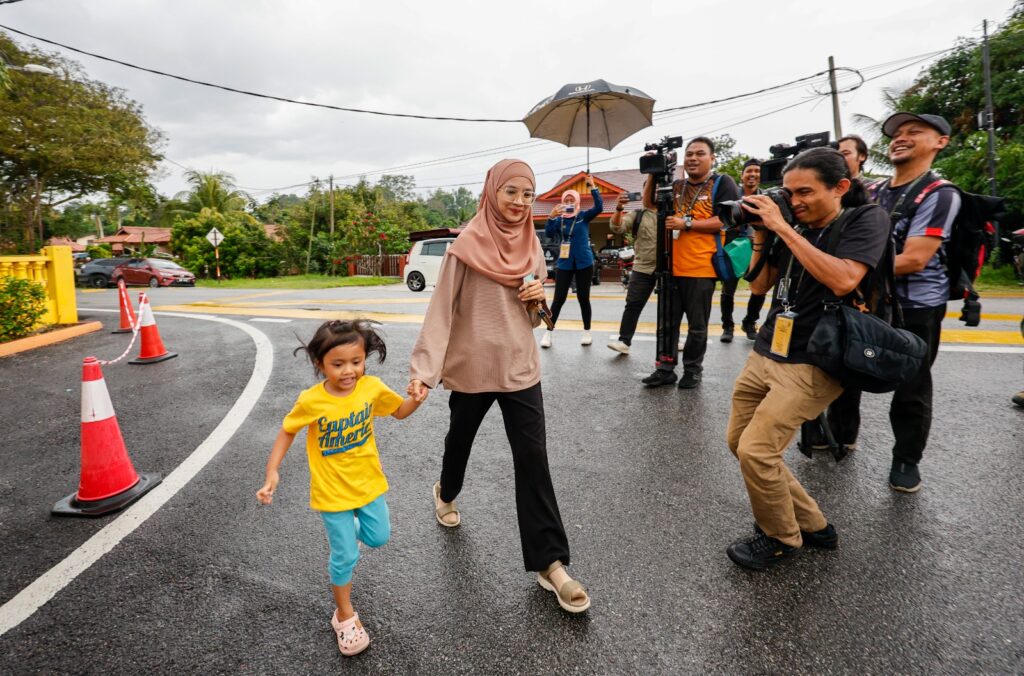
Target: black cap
936,122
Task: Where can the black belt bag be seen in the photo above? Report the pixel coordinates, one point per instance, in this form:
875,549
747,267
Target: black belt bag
864,352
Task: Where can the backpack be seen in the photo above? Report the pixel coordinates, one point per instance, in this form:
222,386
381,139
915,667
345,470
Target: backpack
969,242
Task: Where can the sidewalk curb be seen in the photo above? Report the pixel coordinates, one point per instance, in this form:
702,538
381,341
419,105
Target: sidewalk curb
48,338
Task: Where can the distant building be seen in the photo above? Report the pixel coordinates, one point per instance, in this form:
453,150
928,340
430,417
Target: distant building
130,239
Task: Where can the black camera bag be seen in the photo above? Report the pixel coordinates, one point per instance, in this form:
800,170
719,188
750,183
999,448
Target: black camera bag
861,350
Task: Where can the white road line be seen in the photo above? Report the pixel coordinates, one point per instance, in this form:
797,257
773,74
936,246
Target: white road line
270,320
44,588
987,349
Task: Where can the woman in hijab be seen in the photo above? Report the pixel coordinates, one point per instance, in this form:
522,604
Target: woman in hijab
477,339
575,258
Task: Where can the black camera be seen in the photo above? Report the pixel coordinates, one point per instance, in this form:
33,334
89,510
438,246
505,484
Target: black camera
663,161
732,213
634,196
771,170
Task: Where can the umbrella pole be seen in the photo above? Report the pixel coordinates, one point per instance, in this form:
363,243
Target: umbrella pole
588,135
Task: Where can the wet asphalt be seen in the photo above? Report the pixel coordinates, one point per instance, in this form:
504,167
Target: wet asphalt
649,494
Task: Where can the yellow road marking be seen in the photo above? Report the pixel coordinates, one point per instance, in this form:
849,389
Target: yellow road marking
263,294
327,301
970,336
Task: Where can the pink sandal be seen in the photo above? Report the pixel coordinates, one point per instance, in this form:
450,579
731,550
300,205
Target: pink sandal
352,638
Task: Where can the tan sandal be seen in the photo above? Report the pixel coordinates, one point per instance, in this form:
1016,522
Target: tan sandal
566,592
445,509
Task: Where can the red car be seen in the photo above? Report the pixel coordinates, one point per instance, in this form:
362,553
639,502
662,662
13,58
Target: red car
153,272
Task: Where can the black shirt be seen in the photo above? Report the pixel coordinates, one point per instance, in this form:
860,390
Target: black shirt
863,239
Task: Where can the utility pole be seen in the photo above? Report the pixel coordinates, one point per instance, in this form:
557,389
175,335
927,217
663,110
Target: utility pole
312,224
989,123
332,204
835,98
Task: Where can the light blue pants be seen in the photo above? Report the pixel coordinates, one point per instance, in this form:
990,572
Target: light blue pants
369,524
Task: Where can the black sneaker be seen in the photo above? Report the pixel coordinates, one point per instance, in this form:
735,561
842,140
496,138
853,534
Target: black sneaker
726,335
904,477
659,378
750,330
759,552
689,381
826,538
1018,399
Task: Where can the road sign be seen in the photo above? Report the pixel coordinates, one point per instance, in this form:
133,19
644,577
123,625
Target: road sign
215,237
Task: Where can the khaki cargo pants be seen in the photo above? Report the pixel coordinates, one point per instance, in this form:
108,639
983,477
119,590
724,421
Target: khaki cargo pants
769,403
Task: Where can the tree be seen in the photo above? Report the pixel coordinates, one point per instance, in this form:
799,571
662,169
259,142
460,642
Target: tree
953,87
214,191
64,137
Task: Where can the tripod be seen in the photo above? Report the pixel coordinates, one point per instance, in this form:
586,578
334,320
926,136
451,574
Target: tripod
665,201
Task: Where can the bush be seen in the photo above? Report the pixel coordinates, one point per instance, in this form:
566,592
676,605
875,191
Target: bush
22,303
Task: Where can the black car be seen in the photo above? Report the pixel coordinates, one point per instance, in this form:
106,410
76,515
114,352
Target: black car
96,273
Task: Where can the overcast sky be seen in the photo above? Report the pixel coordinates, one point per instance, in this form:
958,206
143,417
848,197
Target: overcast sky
477,59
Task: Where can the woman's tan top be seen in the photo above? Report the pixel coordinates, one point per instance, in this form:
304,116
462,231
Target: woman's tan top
477,335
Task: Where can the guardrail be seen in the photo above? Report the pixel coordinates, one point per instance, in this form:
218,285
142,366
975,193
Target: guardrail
53,268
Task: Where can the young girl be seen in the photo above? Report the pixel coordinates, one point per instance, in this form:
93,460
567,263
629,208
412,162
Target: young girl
347,484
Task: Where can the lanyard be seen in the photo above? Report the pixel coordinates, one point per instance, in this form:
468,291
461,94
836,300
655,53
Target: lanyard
784,283
689,210
571,227
903,196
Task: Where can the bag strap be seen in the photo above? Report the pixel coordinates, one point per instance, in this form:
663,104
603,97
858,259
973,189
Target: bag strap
714,188
637,217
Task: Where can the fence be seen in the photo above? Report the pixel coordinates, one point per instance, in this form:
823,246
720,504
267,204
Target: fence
54,270
390,265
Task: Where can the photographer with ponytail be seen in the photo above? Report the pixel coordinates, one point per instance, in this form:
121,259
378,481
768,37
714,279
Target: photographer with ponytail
780,388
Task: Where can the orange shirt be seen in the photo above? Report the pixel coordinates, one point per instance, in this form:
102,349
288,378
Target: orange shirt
692,251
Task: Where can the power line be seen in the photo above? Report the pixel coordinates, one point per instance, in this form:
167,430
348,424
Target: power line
250,93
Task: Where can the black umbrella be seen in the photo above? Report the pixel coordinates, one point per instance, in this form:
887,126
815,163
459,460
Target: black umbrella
594,114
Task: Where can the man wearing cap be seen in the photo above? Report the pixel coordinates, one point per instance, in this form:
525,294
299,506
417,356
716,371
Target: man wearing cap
922,286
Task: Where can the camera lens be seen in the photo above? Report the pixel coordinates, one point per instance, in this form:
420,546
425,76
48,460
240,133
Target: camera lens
732,213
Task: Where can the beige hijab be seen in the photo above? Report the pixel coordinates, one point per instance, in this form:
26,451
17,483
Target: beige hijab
503,251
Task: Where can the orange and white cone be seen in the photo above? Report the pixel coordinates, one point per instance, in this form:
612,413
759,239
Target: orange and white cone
108,480
127,313
152,350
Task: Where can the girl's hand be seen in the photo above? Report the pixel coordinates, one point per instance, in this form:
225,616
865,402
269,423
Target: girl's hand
417,390
266,494
763,206
531,291
557,211
590,182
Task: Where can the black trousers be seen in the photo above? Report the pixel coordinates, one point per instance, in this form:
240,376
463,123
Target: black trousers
754,306
562,280
911,410
691,296
540,524
638,292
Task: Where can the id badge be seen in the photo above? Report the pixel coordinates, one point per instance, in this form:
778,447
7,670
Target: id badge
563,251
783,334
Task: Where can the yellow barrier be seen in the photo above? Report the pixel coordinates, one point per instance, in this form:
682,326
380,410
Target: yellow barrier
53,269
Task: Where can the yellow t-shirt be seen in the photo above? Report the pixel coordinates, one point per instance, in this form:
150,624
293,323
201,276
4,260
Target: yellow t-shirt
692,251
344,467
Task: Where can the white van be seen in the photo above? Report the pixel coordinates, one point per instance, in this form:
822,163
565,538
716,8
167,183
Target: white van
424,262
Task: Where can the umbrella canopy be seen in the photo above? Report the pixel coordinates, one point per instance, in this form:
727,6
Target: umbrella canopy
594,114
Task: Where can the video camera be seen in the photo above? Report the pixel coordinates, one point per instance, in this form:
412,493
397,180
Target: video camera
771,170
663,161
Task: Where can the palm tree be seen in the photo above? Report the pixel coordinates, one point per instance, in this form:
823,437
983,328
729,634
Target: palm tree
878,147
214,191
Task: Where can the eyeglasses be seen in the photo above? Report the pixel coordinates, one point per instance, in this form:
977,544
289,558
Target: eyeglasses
513,194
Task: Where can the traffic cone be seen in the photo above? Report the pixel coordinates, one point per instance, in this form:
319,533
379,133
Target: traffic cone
152,349
108,481
127,313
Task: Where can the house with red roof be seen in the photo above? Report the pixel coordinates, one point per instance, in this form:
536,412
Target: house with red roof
130,239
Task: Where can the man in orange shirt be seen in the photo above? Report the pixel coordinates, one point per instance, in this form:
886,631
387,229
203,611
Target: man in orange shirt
694,228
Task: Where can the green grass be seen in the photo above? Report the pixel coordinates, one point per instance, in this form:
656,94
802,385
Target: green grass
1000,279
297,282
